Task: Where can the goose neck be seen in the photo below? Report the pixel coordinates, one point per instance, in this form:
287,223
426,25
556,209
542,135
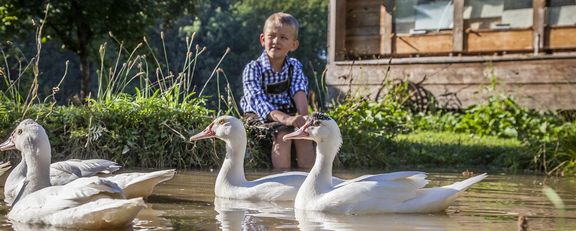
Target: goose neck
232,170
38,168
319,179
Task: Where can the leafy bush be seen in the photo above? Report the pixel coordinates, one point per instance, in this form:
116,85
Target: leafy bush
141,133
367,128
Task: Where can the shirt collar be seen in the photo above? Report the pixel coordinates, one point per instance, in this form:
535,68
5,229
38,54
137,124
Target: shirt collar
265,61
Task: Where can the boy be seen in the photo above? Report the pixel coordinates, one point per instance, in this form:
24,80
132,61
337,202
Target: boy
275,90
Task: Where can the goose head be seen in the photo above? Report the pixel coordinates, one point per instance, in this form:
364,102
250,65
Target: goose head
28,137
321,129
226,128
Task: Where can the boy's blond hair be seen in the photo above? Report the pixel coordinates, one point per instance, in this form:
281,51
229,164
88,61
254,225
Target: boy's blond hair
282,19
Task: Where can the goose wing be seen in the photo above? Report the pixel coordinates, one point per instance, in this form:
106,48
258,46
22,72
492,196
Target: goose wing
64,172
92,167
139,184
374,193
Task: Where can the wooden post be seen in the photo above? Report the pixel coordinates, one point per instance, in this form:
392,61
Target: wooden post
386,25
336,30
539,14
458,30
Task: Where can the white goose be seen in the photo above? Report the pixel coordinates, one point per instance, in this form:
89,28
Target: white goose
61,173
90,203
231,182
397,192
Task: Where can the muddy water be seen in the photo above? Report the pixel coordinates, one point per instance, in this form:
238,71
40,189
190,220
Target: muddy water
187,203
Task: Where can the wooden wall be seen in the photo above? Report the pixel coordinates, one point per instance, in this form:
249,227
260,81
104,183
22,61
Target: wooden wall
537,65
535,83
365,29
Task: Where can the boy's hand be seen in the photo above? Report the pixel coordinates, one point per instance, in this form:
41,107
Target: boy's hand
297,121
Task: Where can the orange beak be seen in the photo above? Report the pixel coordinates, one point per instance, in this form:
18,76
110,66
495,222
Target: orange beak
301,133
8,145
207,133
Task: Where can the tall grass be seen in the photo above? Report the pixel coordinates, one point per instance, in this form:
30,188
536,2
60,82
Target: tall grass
140,116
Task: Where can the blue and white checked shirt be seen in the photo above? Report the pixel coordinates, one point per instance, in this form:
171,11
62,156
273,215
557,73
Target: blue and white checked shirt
256,100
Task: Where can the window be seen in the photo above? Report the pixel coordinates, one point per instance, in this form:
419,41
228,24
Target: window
497,14
561,13
422,16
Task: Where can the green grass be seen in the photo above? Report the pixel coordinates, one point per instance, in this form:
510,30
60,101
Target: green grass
457,150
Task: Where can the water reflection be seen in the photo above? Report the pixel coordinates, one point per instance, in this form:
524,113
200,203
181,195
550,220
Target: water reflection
247,215
27,227
311,220
147,219
187,203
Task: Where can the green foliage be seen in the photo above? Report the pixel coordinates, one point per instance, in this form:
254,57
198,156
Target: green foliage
8,19
367,128
80,26
145,132
149,128
546,135
564,160
502,116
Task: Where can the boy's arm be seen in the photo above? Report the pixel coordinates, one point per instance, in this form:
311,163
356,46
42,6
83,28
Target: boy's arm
301,103
279,116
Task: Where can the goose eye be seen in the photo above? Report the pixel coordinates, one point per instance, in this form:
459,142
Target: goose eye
221,122
316,123
19,131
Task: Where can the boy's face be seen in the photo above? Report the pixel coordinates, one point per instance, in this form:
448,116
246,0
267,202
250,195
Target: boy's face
278,41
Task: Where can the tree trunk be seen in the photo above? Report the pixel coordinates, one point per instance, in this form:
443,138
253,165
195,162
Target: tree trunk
84,35
85,76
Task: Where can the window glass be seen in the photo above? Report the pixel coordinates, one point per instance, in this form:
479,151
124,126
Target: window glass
423,16
561,13
497,14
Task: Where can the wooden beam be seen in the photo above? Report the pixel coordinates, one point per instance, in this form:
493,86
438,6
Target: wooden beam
539,14
458,30
386,25
336,30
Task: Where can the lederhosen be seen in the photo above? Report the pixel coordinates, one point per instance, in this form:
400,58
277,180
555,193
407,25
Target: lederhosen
269,129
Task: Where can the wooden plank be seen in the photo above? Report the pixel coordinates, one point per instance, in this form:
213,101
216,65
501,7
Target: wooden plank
494,41
363,30
423,44
541,96
562,38
458,30
386,27
556,71
336,30
539,14
363,45
363,13
363,18
352,4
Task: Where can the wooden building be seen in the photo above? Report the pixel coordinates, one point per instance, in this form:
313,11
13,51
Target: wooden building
456,49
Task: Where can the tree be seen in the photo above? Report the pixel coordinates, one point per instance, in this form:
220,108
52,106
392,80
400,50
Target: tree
81,25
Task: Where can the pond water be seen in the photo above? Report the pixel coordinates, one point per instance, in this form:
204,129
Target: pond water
187,203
